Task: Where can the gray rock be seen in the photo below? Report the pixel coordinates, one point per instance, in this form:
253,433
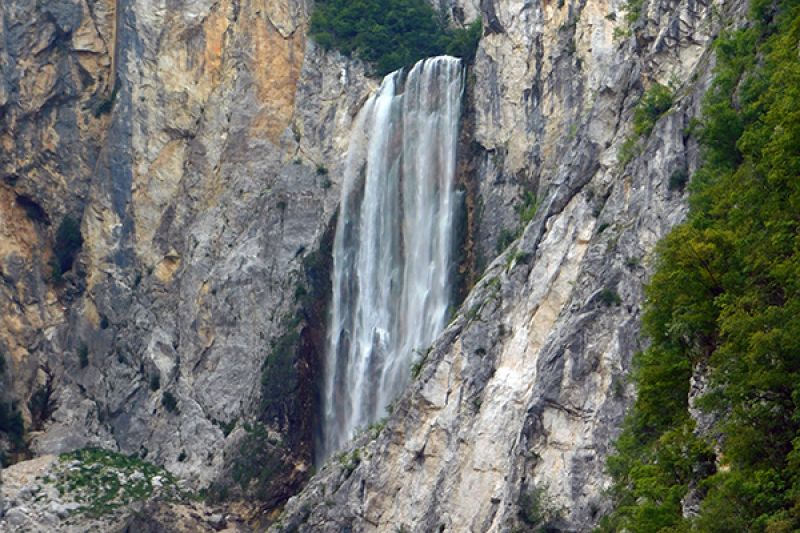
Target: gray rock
200,198
62,510
17,517
48,519
216,520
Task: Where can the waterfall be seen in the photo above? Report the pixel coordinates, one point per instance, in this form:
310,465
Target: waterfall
393,244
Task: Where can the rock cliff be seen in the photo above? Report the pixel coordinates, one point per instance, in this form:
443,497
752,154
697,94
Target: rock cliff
513,413
201,145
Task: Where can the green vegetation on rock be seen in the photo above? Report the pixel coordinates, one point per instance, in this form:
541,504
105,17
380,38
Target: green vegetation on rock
526,210
259,462
655,101
538,511
390,34
260,468
609,297
725,297
83,355
170,402
349,461
11,422
279,376
101,480
155,382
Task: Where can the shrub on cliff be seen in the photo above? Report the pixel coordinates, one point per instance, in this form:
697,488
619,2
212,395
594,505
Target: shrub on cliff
655,102
170,402
463,43
390,34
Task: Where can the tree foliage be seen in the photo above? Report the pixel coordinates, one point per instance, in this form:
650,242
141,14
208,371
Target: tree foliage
390,34
726,295
656,101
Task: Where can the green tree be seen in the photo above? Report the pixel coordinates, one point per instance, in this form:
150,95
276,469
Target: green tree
726,294
390,34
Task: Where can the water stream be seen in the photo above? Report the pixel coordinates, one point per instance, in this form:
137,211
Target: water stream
393,245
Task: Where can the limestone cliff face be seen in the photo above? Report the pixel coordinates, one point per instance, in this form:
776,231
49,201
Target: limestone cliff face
201,144
55,75
522,395
206,198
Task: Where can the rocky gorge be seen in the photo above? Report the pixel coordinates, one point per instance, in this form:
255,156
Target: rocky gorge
201,146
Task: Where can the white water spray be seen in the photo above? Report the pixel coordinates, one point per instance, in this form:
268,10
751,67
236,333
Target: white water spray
393,245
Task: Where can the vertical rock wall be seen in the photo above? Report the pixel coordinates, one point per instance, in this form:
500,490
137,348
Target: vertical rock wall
200,144
511,419
55,75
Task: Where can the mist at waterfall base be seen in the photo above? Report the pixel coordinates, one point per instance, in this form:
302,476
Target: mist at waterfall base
393,249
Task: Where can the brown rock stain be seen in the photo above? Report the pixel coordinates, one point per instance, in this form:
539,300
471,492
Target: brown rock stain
23,313
205,325
166,269
90,313
18,232
277,62
38,87
215,27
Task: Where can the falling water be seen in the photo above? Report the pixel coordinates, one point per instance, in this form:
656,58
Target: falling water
393,244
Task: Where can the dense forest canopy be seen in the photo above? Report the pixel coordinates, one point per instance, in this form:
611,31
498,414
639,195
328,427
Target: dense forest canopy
390,34
726,297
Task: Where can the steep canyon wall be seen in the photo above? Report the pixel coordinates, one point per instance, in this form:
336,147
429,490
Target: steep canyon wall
202,144
518,401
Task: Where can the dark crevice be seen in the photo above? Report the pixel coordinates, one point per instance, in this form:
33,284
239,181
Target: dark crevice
465,248
264,469
32,208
